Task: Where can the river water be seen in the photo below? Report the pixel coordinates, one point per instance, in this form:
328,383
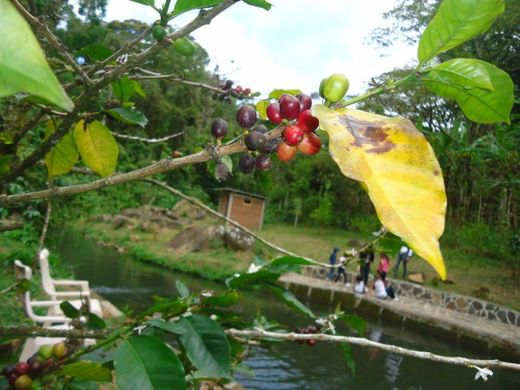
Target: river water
126,282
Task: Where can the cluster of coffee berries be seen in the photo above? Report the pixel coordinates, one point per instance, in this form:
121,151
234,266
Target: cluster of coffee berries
256,142
311,329
299,132
21,375
229,91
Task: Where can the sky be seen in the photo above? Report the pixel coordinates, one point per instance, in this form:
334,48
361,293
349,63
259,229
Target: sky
294,45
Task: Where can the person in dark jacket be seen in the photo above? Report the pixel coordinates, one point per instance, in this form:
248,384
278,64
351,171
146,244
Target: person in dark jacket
366,259
332,261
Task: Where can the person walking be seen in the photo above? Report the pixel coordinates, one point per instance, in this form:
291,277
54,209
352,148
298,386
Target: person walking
405,254
332,262
341,270
366,258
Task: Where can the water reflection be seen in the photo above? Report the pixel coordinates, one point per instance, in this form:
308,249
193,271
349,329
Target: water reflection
289,365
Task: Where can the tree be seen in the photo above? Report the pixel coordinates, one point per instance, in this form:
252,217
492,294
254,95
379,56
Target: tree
75,117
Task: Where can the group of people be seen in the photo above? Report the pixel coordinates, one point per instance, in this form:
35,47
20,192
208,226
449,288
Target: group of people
382,286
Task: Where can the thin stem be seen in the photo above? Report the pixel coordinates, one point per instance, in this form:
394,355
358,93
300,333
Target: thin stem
383,88
147,140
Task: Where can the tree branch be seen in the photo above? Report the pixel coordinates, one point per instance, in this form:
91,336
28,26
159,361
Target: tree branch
164,165
148,140
25,331
36,331
458,361
53,40
91,90
149,75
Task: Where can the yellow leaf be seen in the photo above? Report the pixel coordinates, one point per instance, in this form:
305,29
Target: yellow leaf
97,147
397,166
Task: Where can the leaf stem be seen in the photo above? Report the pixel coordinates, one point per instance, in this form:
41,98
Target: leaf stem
390,84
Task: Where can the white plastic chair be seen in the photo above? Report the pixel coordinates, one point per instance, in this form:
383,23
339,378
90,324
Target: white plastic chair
54,320
50,284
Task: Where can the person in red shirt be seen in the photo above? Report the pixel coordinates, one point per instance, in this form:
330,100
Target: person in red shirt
384,265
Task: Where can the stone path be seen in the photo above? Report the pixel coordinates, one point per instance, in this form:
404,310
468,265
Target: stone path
461,324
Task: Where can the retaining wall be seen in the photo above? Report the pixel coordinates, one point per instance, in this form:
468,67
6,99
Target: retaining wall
461,303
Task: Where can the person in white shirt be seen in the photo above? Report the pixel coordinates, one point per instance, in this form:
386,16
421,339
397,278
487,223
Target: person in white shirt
383,289
359,287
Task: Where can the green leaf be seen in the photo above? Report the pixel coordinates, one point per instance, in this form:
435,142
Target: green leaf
455,22
87,371
261,107
124,89
347,353
96,52
95,322
479,105
128,116
168,326
284,261
277,93
146,363
138,88
4,164
355,322
182,289
97,147
23,67
293,302
258,277
188,5
466,72
229,163
144,2
206,346
259,3
69,310
62,157
227,299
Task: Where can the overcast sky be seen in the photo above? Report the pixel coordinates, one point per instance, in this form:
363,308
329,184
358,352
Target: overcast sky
294,45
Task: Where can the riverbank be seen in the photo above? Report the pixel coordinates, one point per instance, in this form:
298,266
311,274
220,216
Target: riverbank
469,274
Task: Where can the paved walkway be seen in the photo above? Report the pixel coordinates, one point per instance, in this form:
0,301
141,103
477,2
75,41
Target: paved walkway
507,336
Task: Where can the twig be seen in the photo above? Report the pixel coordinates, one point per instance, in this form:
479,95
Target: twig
10,225
458,361
164,165
148,140
53,40
9,288
45,228
122,50
198,203
34,331
149,75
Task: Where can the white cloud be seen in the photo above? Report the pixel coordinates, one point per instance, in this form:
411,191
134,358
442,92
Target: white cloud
294,45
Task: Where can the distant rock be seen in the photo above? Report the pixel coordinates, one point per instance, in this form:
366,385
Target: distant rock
187,212
238,239
195,238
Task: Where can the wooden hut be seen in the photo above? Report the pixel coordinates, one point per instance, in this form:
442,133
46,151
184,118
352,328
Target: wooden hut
240,206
